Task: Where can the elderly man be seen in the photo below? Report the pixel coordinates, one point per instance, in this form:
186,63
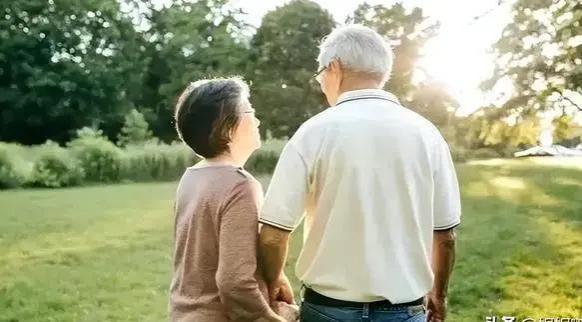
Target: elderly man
378,190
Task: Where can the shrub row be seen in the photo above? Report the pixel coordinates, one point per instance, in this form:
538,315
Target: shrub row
91,158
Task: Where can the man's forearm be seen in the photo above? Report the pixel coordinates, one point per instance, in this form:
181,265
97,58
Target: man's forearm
273,246
443,260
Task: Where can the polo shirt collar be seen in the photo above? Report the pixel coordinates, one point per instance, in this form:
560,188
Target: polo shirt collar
368,93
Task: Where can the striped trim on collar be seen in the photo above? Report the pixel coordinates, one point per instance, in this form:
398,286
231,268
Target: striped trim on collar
365,98
366,94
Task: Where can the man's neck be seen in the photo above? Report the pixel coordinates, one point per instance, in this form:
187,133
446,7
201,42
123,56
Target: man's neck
348,86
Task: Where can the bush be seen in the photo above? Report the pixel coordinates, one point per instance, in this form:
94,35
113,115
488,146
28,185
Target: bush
265,159
100,159
484,153
262,162
273,145
92,158
55,168
156,161
462,154
12,174
459,153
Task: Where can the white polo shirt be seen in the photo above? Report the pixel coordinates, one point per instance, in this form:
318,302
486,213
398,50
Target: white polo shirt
373,180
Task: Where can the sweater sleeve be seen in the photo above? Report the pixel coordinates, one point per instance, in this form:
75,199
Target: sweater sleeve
238,287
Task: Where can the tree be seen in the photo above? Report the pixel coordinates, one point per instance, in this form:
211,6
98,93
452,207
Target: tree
566,132
540,52
408,31
283,59
62,65
135,129
186,41
490,128
432,100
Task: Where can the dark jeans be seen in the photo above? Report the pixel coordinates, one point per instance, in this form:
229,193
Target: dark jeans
320,313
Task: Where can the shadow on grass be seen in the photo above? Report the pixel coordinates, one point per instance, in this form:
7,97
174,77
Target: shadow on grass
519,245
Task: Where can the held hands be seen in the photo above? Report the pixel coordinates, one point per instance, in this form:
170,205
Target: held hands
289,312
282,299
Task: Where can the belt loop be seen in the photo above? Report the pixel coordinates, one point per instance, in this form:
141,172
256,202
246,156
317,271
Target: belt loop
302,292
366,312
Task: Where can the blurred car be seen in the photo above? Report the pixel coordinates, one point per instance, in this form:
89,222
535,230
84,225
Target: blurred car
553,150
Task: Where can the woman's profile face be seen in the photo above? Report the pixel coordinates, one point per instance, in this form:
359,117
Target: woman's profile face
246,136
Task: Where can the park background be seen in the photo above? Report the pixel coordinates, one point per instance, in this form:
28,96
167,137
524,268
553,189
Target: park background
89,156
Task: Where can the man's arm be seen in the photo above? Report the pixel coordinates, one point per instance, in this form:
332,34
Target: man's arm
443,260
273,247
281,213
447,215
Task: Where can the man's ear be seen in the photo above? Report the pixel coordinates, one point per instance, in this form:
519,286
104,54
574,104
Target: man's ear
335,66
338,72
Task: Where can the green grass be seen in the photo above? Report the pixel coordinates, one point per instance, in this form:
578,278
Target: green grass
103,253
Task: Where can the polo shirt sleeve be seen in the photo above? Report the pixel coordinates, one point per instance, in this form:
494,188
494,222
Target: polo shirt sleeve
286,196
447,200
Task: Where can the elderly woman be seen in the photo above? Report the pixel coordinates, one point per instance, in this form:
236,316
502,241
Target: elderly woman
216,226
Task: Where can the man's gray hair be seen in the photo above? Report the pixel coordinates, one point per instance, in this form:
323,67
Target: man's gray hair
359,49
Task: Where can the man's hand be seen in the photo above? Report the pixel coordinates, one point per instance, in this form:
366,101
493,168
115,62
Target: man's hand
436,307
280,290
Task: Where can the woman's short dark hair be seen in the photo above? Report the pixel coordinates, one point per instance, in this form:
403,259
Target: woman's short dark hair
207,112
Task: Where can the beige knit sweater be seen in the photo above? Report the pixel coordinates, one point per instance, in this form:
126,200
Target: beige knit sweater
215,257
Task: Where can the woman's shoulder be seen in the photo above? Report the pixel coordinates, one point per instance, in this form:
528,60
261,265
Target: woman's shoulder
247,181
243,190
223,180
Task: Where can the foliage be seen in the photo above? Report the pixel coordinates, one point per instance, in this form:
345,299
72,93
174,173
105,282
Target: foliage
155,161
185,41
63,65
565,131
540,52
91,158
55,168
409,31
408,34
283,55
12,173
489,128
100,158
135,129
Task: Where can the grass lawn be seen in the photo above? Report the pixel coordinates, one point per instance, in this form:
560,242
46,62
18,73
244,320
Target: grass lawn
103,253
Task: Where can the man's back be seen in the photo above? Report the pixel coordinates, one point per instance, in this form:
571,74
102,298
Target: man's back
377,180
